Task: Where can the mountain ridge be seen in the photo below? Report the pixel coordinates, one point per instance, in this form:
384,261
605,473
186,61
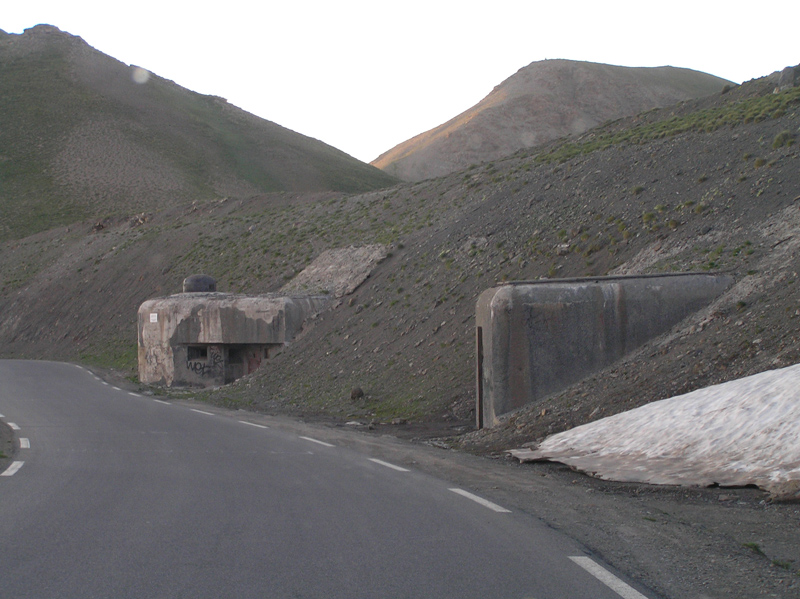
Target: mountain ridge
543,101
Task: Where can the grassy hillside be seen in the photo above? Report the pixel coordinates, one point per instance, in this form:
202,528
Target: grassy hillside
81,139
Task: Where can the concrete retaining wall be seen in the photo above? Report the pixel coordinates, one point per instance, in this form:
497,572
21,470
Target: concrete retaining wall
537,338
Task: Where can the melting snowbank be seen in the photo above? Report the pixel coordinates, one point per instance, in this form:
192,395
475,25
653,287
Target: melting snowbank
741,432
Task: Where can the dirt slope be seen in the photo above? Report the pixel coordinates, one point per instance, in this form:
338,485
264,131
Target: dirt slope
544,101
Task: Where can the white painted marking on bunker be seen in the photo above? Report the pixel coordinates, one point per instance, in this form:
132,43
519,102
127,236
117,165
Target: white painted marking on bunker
14,426
388,465
607,578
24,443
201,412
481,501
253,424
12,469
318,441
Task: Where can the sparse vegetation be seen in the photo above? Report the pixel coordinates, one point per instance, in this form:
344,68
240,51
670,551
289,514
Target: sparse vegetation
731,114
784,138
754,547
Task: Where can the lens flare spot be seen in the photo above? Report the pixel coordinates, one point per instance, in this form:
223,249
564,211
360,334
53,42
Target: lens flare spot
140,75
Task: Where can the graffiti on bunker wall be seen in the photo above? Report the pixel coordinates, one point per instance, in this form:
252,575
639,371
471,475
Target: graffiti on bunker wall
210,367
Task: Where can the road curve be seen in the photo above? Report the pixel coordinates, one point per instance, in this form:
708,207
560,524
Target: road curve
114,494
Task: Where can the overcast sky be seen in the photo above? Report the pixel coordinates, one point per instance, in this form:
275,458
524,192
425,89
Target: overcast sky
365,75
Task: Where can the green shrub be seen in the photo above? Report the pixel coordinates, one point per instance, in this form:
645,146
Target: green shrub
784,138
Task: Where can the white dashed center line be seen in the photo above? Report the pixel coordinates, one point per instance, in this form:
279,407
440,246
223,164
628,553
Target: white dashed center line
607,578
388,465
481,500
201,412
166,403
12,469
253,424
318,441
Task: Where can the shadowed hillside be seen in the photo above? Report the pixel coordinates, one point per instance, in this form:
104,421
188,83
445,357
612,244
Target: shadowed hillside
82,139
544,101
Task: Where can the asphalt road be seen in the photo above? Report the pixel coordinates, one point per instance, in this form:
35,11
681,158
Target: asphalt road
113,494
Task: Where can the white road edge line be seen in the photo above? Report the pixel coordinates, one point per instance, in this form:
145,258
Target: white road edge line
12,469
388,465
24,443
318,441
481,500
201,412
14,426
607,578
253,424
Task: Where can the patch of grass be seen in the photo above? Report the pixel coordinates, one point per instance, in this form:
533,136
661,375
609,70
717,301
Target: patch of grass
732,114
784,565
784,138
754,547
116,355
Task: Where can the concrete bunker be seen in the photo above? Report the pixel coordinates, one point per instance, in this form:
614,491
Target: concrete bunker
206,338
537,338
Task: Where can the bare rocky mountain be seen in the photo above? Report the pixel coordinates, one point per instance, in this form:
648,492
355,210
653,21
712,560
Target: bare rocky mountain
546,100
85,136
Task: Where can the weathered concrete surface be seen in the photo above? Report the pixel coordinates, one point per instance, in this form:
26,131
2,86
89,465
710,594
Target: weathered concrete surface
212,338
338,272
537,338
739,433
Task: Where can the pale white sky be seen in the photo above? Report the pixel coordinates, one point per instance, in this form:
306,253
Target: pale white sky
365,75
